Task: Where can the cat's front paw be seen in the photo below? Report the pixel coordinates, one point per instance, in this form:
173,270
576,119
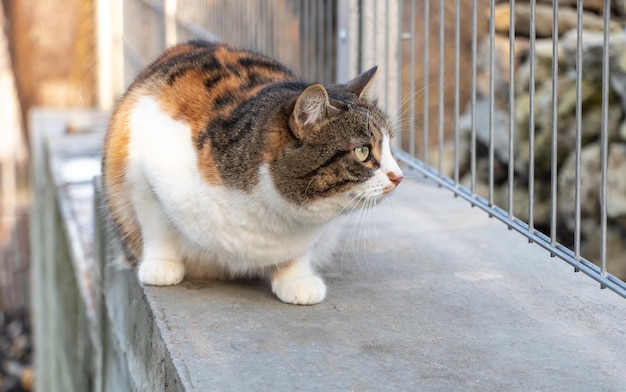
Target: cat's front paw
307,290
158,272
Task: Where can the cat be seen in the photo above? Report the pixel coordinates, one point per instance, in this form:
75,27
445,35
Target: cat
220,163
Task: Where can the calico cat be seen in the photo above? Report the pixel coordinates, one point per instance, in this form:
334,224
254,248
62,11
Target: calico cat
220,163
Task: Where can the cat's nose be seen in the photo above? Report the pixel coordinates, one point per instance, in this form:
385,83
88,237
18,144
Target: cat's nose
396,178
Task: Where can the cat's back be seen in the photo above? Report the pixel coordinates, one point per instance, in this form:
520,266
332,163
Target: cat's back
198,81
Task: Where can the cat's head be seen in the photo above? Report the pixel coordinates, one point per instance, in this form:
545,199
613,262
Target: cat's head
339,156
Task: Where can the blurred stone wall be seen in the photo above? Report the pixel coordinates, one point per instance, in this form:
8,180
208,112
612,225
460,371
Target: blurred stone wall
592,46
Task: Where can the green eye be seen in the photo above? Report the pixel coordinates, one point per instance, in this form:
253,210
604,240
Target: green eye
362,153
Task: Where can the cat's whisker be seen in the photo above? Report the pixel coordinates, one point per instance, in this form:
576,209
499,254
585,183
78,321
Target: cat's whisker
354,204
356,232
364,231
410,98
306,190
367,215
361,231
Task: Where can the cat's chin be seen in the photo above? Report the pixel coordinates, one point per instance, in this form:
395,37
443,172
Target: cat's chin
345,207
328,209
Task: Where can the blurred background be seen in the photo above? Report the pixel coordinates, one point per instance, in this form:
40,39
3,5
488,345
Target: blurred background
47,58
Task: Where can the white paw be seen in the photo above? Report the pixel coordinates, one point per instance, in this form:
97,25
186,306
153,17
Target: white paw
159,272
307,290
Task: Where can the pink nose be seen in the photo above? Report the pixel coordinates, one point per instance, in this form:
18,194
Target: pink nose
393,177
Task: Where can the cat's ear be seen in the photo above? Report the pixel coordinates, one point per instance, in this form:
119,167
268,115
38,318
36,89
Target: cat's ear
311,105
361,86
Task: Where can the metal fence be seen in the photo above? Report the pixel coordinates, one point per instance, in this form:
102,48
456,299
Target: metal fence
503,121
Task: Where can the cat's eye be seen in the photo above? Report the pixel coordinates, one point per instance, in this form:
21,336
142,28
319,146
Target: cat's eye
362,153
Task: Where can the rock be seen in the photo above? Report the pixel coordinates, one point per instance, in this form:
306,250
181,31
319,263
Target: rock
541,202
566,121
615,248
592,53
592,122
592,50
543,17
501,67
622,131
589,188
501,128
16,372
447,159
543,65
590,208
543,130
617,6
616,182
590,204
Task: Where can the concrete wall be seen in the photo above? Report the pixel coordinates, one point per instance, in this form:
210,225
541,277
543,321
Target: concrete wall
94,330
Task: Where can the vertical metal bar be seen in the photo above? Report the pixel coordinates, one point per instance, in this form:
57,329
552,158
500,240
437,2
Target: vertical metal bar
387,44
302,47
398,119
555,98
492,35
244,23
412,84
426,78
256,15
473,100
441,85
105,36
342,53
328,42
256,19
279,31
270,25
604,137
309,39
235,20
374,30
303,39
457,52
531,122
511,106
579,124
319,55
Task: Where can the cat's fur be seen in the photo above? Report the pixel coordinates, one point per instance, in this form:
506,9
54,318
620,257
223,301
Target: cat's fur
219,162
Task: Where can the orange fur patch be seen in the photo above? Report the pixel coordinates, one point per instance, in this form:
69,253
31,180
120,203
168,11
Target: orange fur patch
116,158
190,101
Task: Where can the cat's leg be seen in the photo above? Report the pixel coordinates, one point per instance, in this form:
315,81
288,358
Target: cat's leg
161,263
296,283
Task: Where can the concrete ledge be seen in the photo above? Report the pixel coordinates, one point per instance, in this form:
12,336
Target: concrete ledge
426,293
432,296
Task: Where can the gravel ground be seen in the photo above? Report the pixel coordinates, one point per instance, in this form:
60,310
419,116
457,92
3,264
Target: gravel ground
16,372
